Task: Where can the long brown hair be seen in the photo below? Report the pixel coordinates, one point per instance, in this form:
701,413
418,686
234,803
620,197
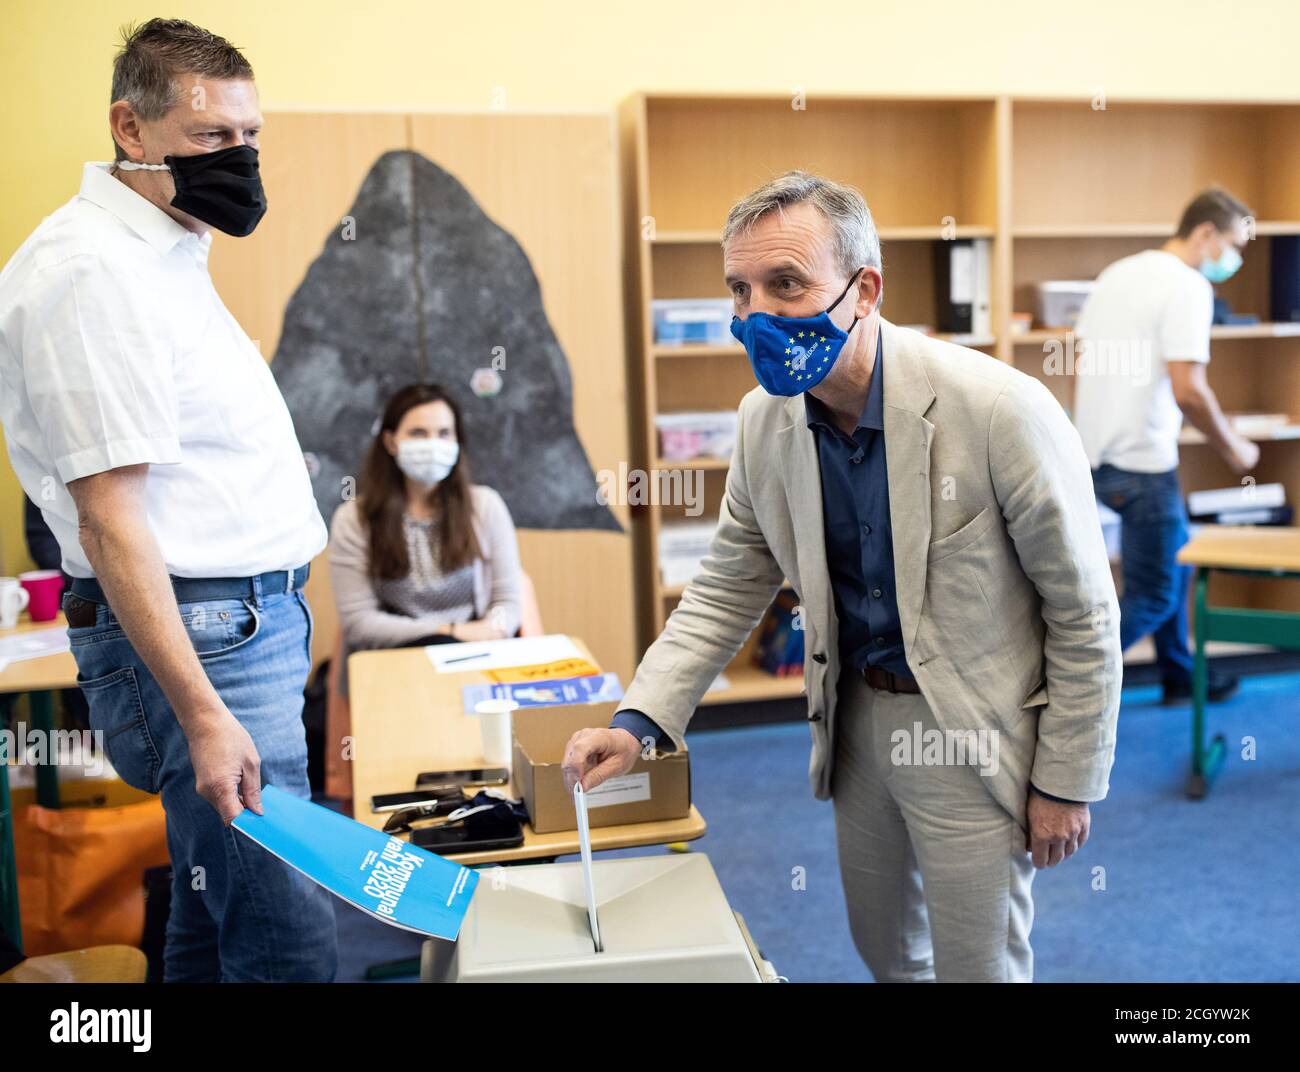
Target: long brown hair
383,494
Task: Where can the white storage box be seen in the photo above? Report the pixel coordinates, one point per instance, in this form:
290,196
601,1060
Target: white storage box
1060,301
662,919
702,321
685,436
682,547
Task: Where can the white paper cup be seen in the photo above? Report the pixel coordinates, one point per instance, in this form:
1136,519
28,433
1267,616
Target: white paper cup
494,723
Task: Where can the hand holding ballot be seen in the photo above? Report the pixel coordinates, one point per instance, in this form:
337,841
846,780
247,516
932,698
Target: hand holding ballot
594,755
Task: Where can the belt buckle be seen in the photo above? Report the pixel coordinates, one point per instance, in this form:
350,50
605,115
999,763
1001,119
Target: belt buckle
888,675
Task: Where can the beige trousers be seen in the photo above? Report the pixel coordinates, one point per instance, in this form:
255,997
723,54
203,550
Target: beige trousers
935,871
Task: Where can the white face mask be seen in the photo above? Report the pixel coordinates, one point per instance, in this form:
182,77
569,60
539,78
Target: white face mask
427,461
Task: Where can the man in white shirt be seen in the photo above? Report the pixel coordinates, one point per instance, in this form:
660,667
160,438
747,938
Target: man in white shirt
1143,342
145,424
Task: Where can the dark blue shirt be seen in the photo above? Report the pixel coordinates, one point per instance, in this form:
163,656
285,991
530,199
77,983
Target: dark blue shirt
859,536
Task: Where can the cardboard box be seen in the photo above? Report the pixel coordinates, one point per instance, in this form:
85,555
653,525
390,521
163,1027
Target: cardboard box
658,788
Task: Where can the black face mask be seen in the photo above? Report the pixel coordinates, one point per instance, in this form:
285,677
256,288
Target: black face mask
222,188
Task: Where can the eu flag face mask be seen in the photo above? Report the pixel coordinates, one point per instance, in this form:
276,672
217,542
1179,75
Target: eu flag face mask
791,354
221,188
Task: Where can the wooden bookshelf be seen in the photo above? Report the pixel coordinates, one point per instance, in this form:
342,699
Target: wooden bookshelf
1060,189
929,170
1263,228
1089,187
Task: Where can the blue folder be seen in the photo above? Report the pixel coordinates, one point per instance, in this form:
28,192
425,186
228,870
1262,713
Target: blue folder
392,880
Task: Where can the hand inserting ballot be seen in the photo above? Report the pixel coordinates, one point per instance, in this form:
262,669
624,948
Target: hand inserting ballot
597,754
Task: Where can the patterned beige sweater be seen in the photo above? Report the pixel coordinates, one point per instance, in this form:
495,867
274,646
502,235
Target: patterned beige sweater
388,614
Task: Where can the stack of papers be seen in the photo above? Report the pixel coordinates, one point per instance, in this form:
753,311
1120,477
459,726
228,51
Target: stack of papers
495,654
595,688
32,644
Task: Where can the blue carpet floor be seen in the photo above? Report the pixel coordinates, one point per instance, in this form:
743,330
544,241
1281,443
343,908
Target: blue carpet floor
1194,890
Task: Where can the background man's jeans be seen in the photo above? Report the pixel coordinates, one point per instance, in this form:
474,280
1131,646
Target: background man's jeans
237,912
1154,602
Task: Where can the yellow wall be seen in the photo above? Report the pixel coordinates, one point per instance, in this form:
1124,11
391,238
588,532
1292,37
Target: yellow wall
546,54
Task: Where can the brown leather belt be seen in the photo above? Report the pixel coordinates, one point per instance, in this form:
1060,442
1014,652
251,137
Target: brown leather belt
888,681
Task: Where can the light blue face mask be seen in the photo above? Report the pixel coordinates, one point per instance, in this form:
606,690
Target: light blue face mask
1222,269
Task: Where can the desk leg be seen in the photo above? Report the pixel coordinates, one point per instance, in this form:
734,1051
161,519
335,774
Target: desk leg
1206,759
47,774
9,917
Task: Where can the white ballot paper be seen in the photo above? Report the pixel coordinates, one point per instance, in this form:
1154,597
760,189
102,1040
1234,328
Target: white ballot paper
34,644
584,845
500,654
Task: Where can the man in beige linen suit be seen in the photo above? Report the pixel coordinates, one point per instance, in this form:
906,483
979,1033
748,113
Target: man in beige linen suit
954,587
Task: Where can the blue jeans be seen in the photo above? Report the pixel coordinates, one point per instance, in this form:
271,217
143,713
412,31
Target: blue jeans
237,912
1154,602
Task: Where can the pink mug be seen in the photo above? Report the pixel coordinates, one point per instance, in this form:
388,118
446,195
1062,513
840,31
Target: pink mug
45,587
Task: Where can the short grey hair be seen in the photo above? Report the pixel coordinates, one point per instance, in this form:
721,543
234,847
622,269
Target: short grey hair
852,228
146,67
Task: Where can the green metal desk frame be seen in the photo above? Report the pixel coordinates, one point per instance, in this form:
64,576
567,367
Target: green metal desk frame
1280,629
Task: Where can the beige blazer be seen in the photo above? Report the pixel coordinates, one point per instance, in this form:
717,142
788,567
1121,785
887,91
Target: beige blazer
1005,595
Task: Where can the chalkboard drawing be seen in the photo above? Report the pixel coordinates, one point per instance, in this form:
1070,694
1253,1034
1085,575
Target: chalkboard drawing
417,283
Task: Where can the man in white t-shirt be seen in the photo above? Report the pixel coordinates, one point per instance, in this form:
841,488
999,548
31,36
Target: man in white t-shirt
145,424
1142,345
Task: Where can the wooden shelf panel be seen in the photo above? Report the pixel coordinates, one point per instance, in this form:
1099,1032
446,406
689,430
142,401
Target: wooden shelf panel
688,238
1192,437
674,591
1263,229
886,234
1267,330
691,463
698,350
749,684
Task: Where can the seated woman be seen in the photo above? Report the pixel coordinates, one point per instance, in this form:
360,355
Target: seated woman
422,556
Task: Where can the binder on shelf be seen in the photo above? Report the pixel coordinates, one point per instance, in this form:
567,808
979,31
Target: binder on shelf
962,280
1284,278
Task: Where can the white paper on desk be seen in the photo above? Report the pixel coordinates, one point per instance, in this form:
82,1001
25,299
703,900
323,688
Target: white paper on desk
584,846
34,644
496,654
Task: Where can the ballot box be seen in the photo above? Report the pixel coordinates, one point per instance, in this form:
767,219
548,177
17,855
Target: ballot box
661,919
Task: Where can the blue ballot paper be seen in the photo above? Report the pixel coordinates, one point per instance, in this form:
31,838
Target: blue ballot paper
385,876
594,688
